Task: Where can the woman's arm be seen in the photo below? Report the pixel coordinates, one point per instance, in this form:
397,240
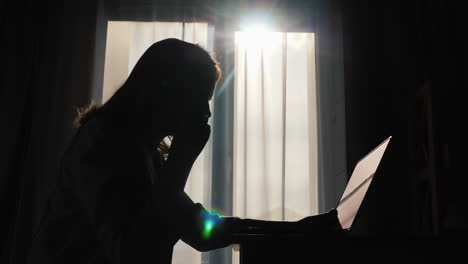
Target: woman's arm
186,146
206,231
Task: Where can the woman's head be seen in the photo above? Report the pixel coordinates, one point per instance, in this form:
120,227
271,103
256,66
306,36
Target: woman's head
171,83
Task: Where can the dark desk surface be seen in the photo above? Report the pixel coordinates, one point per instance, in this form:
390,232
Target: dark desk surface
343,247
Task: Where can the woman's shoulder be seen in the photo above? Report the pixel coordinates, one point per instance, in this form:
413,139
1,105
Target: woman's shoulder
93,143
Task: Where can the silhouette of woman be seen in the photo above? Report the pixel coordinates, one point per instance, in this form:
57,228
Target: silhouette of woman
120,195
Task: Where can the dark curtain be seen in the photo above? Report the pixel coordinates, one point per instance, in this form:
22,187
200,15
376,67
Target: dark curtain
48,50
393,50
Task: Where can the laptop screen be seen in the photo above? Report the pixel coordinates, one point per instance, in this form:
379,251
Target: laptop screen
358,184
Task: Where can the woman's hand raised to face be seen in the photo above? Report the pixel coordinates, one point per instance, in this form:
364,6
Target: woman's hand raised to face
187,144
191,132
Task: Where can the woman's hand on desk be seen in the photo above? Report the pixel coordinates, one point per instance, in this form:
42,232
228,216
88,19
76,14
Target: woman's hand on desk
322,223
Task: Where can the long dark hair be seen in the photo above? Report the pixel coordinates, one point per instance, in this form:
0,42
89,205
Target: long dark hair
167,64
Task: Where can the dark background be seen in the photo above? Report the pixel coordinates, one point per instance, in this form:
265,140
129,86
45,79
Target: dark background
405,71
404,74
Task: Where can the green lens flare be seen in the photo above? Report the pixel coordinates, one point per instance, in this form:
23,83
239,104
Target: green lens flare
207,229
210,220
209,225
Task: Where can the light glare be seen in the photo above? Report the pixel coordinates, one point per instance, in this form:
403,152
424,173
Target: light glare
256,28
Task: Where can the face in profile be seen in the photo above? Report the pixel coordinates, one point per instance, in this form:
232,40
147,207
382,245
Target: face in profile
178,81
190,107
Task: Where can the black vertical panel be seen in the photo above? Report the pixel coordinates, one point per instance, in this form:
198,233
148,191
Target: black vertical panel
222,170
331,122
99,50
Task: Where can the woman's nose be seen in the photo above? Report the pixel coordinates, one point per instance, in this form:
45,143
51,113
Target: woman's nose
207,111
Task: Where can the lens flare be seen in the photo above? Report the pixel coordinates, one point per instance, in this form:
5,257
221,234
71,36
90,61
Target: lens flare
210,221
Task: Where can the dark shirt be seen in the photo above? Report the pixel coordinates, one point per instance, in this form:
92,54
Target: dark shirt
105,207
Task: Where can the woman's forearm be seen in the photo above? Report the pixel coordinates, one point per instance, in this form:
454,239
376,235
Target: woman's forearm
229,230
255,226
317,224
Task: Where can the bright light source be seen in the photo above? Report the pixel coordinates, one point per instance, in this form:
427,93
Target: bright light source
256,32
257,36
256,28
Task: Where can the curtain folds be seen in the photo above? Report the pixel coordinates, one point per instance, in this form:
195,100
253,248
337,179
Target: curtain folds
49,49
275,126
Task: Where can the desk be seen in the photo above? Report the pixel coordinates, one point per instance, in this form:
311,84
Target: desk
341,248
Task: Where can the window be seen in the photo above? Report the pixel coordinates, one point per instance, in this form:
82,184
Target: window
126,42
275,149
275,117
275,126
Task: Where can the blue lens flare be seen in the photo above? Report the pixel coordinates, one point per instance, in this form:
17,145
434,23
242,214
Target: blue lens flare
210,220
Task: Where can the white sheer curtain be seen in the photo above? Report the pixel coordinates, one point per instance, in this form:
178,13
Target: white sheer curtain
275,123
126,42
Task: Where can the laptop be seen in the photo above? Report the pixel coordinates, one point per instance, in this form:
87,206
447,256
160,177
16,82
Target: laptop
358,184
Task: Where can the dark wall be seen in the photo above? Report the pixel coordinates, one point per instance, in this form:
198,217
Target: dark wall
403,77
47,48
